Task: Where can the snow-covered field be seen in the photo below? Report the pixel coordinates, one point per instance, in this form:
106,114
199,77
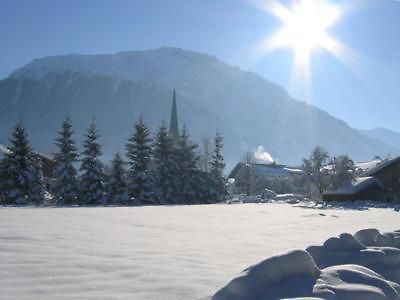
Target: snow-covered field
174,252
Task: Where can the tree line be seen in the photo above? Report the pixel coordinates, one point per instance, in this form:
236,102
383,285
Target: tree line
164,169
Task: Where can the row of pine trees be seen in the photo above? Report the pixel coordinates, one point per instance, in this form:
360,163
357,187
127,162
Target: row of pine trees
160,170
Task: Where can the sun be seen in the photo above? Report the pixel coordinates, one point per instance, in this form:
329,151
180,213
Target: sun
304,27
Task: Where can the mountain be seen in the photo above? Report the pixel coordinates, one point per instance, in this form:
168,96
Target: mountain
116,89
387,136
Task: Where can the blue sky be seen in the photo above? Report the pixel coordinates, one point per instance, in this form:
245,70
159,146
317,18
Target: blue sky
364,91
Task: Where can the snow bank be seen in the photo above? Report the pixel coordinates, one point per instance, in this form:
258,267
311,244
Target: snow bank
363,266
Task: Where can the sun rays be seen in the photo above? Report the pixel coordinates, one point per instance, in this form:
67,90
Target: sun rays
304,31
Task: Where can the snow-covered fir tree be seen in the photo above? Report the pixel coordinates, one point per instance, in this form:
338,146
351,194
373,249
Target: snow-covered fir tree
187,167
164,154
66,185
205,188
117,189
217,166
22,171
138,152
92,175
38,189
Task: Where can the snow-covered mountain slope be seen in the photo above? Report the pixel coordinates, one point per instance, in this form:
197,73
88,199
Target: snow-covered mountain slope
387,136
116,89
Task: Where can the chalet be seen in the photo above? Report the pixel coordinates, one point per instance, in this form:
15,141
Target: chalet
47,161
381,182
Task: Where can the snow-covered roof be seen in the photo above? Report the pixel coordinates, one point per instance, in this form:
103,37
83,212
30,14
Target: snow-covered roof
373,171
3,151
274,170
357,185
267,170
367,165
360,166
294,170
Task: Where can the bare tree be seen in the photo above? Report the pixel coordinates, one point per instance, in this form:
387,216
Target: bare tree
246,181
315,173
205,153
343,171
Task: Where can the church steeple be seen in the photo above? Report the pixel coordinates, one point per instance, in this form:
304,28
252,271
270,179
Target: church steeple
173,124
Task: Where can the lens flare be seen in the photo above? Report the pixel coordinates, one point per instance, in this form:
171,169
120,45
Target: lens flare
304,29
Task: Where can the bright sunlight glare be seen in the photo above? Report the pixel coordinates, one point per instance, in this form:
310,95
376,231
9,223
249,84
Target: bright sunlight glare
304,28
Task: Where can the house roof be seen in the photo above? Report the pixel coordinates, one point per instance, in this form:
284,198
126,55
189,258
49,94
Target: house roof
367,165
271,170
3,151
378,168
356,186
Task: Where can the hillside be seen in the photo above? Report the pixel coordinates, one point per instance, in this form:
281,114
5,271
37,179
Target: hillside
116,89
387,136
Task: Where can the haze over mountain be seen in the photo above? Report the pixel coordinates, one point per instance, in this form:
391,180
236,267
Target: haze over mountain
387,136
116,89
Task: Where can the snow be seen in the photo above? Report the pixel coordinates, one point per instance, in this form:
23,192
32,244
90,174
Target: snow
357,185
342,268
273,170
163,252
367,165
127,65
379,167
3,151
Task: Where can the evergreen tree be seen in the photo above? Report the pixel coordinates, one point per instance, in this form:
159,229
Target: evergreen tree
217,168
92,175
204,187
165,165
23,180
66,186
187,168
117,185
138,152
37,189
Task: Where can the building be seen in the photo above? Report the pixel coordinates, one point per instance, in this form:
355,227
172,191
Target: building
254,178
272,170
47,162
173,124
381,182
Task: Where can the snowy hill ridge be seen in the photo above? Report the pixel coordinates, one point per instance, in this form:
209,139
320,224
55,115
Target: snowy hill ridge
387,136
125,65
116,89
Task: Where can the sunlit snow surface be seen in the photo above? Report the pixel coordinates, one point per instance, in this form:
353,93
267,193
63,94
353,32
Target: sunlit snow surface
174,252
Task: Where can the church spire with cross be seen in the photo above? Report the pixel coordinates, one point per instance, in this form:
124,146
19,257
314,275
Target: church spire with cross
173,124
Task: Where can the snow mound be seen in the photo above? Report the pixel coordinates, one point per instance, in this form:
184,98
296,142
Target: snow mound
363,266
372,237
272,275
